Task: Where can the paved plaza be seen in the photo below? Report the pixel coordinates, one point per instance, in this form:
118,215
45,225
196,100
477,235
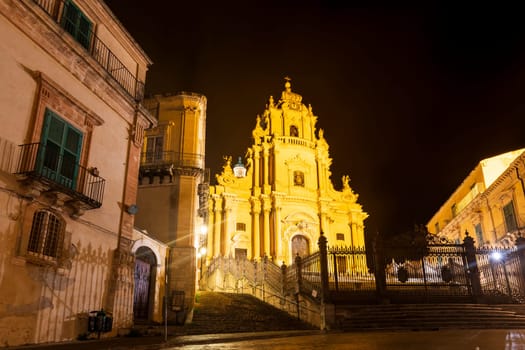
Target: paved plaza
483,339
427,340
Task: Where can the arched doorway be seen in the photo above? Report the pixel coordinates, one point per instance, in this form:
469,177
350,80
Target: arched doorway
145,275
300,246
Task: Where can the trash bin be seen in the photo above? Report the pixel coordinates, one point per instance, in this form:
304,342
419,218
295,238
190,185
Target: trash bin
100,321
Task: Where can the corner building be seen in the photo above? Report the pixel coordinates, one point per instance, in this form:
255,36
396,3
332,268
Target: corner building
72,125
489,204
172,171
286,197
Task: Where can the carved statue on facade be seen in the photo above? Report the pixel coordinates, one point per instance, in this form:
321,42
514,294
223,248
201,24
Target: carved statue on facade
227,175
258,132
227,167
346,180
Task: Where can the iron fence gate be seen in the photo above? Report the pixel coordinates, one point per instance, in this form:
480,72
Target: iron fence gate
440,275
446,273
500,274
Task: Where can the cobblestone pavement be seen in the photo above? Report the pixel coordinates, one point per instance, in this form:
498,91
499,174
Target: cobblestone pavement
428,340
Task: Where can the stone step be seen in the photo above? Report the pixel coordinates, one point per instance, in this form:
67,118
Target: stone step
216,312
428,316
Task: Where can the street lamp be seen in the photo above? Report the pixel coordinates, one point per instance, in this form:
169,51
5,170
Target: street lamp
239,170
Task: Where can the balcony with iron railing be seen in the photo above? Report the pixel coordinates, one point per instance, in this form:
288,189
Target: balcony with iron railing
57,9
169,163
171,158
60,173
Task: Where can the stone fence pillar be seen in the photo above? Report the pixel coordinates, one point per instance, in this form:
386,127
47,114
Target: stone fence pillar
472,265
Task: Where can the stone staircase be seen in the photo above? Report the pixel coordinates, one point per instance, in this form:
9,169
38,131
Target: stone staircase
216,312
428,317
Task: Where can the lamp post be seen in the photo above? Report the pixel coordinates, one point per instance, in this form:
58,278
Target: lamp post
239,170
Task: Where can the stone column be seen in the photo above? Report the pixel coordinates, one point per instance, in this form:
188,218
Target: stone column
256,234
217,227
353,230
278,238
361,235
211,238
267,206
266,167
323,226
227,227
256,170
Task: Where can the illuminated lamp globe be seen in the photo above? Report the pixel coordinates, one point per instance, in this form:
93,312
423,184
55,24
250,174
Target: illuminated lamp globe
239,170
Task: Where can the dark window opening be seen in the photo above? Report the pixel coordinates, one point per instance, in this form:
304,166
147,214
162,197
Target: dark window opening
294,131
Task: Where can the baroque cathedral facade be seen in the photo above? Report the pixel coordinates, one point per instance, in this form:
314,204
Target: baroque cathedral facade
276,202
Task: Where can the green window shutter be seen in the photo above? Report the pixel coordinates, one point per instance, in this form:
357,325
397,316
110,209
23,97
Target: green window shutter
84,31
77,24
60,152
510,218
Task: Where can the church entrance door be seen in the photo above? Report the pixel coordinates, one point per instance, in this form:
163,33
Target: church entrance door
145,264
300,246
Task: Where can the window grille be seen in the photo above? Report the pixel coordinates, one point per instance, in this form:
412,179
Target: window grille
241,226
46,234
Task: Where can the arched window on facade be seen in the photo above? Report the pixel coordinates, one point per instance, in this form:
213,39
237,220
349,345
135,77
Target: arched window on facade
294,131
46,237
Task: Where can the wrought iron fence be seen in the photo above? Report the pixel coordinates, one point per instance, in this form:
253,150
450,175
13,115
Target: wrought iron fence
45,164
348,270
56,9
442,272
447,273
500,273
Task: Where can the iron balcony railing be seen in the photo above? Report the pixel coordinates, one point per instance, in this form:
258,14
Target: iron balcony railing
177,159
56,9
62,173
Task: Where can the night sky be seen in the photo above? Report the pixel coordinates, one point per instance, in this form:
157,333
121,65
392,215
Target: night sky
410,98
